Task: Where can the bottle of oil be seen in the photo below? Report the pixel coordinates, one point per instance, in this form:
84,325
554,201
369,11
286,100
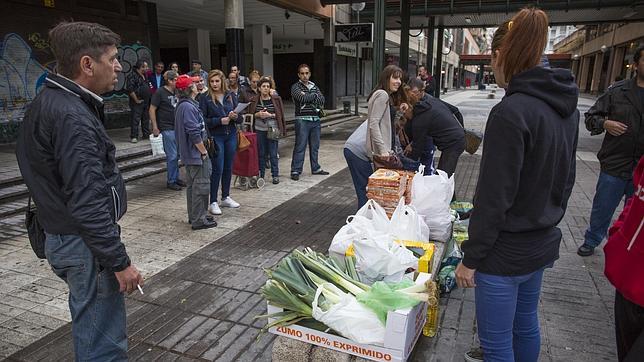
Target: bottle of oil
431,324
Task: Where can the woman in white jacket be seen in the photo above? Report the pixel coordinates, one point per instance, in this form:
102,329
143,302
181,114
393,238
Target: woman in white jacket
383,101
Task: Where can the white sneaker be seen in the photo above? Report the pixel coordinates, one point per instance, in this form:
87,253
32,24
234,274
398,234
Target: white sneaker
228,202
214,209
134,140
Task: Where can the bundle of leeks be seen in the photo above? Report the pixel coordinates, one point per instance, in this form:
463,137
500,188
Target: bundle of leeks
293,283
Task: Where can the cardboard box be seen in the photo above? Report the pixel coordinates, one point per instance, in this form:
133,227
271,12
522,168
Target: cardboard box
401,333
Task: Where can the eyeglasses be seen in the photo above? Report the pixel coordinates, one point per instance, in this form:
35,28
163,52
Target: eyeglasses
304,73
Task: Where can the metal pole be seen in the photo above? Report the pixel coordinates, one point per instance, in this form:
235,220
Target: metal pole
357,70
404,35
379,40
430,45
439,62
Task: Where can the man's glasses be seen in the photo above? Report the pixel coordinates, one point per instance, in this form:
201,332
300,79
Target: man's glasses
304,73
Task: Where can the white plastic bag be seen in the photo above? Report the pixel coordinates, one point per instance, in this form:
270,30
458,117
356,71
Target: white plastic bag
157,145
406,224
351,319
431,196
370,219
380,258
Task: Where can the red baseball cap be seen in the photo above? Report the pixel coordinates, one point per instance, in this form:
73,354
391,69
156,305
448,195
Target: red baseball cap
185,81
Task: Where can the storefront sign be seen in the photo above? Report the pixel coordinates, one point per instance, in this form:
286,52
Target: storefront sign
351,33
346,50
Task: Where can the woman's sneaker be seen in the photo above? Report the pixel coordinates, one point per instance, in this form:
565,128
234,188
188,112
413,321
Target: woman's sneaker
214,209
228,202
474,355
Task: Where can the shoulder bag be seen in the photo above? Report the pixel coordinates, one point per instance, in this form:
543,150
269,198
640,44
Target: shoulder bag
34,230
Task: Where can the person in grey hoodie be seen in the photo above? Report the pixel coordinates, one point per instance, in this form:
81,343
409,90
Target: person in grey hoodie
191,134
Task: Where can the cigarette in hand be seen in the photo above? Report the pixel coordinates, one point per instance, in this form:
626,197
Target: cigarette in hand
140,289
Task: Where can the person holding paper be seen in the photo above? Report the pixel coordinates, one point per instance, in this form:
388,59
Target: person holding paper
219,111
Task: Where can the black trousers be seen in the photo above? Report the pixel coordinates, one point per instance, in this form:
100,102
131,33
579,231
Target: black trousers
629,329
449,159
139,115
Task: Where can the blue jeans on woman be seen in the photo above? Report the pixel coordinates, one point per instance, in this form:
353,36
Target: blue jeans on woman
171,155
506,316
222,165
96,305
360,171
267,147
610,190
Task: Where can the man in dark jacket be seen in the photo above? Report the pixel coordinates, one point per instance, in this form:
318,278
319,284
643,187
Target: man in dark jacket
433,119
140,90
309,101
156,78
619,111
68,163
427,79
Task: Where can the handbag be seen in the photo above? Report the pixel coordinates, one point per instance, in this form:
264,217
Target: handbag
274,133
391,162
211,145
472,141
242,142
35,231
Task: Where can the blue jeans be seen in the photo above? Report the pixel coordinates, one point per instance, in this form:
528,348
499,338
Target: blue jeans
268,148
360,172
306,132
97,307
171,155
609,192
506,316
222,165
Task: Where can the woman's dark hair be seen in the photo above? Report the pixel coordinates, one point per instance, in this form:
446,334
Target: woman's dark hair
265,80
524,43
383,82
70,41
139,63
173,63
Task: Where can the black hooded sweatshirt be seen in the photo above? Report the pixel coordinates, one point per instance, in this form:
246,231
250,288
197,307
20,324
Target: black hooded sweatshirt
527,175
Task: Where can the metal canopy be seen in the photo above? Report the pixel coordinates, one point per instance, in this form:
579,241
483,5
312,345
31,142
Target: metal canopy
490,13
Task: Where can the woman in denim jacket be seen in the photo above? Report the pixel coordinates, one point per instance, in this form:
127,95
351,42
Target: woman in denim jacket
220,119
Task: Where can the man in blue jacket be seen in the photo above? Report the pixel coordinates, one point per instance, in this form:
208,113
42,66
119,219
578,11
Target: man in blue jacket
191,133
68,163
309,101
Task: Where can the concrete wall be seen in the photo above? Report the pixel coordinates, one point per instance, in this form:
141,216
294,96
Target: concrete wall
620,35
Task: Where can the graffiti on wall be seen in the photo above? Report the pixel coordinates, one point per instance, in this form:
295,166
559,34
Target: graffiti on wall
22,74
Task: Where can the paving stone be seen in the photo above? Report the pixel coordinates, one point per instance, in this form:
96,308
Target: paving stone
218,349
291,350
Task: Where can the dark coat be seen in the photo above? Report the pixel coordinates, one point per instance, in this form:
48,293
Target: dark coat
621,102
279,111
68,163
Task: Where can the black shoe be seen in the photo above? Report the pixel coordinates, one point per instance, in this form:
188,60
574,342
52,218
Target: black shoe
174,187
208,217
276,180
295,176
207,225
320,172
585,250
181,183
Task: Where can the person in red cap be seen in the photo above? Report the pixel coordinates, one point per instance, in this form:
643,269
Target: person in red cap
191,134
624,268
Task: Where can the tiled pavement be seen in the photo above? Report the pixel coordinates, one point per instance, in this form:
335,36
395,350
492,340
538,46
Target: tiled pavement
202,305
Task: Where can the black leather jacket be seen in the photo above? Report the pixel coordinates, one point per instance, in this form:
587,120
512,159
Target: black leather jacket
621,102
68,162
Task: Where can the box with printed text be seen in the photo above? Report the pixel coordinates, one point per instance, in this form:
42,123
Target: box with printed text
401,333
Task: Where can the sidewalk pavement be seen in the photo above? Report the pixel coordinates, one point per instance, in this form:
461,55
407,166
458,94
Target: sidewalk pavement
201,290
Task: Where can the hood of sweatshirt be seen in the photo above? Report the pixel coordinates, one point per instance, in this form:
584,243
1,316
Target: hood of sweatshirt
554,86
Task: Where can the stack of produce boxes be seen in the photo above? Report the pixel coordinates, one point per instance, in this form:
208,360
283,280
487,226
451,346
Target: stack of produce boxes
386,187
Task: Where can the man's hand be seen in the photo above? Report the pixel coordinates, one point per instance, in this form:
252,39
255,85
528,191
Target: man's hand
465,276
615,128
128,279
155,131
